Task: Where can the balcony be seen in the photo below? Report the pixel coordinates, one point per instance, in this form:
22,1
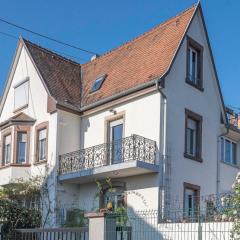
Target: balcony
129,156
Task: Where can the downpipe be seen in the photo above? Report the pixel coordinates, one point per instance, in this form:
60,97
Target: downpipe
218,160
162,148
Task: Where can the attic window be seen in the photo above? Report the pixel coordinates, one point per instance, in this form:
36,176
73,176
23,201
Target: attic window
21,92
98,83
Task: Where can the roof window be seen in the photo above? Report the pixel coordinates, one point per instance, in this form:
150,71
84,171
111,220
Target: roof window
98,83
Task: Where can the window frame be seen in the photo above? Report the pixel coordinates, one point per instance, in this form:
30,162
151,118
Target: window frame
107,134
119,186
225,139
21,129
196,117
192,44
16,109
196,189
6,133
99,82
39,128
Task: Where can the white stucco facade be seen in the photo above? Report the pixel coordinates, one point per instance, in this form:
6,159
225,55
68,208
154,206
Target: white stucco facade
142,115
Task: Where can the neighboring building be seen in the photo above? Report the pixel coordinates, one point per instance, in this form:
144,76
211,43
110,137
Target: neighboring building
149,115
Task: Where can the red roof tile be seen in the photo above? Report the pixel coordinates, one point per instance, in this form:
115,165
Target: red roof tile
143,59
61,76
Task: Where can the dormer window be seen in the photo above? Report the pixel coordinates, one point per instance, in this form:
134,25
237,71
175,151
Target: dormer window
21,93
194,64
98,83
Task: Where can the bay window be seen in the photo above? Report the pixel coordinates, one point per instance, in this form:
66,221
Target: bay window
7,150
21,147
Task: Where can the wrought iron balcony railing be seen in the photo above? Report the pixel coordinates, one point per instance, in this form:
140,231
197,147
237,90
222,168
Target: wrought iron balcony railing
124,150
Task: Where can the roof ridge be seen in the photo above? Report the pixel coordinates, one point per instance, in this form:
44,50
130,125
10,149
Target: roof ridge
51,52
166,22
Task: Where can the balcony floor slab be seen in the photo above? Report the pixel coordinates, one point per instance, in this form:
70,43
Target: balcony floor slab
120,170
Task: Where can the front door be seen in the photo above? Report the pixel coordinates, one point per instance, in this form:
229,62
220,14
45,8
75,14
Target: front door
116,135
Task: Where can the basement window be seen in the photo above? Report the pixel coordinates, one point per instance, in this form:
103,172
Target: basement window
98,83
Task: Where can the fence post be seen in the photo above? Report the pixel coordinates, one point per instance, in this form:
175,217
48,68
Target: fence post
101,227
199,224
1,235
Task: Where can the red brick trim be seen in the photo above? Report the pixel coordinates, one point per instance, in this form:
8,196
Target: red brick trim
15,145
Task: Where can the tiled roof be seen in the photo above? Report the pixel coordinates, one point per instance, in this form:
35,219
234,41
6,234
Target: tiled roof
136,62
143,59
61,76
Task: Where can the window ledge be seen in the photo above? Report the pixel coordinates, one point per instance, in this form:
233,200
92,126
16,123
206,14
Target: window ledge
195,158
40,162
231,165
200,88
15,165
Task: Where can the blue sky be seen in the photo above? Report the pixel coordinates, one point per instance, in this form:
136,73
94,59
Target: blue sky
102,25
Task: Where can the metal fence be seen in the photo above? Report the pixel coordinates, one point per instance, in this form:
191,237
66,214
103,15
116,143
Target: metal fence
149,225
49,234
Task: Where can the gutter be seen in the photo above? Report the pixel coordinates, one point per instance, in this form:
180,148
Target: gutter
120,95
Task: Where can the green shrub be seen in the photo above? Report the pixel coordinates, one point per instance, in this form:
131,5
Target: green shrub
75,218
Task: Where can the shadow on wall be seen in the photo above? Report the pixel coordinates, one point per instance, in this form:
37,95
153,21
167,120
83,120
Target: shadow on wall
134,225
85,124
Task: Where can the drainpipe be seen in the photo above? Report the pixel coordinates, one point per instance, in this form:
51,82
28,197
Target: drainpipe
163,138
218,160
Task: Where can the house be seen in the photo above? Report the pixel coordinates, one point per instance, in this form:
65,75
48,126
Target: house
149,115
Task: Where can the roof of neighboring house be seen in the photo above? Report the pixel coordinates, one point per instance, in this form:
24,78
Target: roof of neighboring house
20,117
61,76
143,59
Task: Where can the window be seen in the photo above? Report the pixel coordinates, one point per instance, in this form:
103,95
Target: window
114,198
191,200
21,92
194,63
7,149
193,135
21,147
228,151
116,135
98,83
42,145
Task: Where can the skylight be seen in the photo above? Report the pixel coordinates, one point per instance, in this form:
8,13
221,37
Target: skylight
98,83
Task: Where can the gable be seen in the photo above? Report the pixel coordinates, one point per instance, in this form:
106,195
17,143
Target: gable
23,70
207,101
198,30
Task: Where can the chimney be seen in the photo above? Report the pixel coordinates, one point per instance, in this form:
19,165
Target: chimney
94,57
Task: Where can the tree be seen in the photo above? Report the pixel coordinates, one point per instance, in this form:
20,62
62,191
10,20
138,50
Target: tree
234,209
15,205
25,203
